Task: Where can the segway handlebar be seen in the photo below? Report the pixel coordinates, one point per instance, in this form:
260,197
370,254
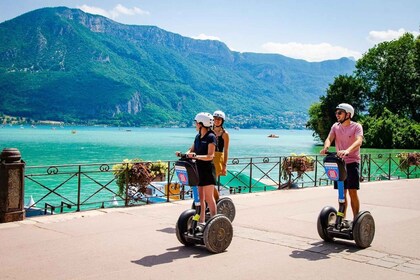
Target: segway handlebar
186,169
185,155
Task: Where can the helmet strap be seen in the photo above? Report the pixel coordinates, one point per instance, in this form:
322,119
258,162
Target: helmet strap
203,127
346,118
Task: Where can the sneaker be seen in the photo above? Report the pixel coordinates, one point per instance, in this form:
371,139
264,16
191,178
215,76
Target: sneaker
347,224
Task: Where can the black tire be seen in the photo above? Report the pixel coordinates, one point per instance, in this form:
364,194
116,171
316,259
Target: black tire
363,229
218,234
324,217
184,225
226,207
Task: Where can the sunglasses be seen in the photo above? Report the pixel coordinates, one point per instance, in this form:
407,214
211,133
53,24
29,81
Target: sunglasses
340,112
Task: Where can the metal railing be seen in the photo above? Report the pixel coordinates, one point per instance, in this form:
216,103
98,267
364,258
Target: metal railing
78,187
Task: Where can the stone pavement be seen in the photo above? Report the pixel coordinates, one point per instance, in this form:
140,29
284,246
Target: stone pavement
275,237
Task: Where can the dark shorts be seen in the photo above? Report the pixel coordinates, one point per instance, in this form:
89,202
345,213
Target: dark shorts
206,173
353,176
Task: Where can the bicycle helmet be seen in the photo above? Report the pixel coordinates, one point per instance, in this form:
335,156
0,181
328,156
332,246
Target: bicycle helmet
206,119
346,108
219,114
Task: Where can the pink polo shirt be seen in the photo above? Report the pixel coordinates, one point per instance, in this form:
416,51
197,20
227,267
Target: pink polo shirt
344,136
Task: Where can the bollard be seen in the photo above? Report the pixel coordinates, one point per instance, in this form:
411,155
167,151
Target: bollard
12,170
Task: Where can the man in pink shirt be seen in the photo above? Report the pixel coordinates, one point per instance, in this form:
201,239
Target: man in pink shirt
348,137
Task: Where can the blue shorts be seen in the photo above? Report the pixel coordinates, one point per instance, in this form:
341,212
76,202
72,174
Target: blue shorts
353,175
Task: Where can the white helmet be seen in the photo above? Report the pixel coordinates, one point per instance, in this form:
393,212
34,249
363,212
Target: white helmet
346,108
219,114
206,119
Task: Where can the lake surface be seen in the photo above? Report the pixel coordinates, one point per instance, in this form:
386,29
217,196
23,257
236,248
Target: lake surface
45,145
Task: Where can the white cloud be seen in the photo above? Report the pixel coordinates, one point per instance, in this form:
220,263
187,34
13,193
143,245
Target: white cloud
377,37
116,12
94,10
310,52
120,9
206,37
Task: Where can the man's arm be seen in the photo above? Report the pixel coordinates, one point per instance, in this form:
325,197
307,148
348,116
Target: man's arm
327,144
354,146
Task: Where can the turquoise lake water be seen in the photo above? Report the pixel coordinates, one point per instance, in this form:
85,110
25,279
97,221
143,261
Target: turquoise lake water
45,145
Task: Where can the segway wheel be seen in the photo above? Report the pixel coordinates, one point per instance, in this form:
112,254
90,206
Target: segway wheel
184,225
363,229
325,219
218,234
226,207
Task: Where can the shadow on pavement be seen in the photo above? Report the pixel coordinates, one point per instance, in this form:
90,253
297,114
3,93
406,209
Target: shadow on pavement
174,253
170,230
322,250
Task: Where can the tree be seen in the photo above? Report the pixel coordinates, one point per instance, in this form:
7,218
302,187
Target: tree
317,122
385,92
391,71
345,89
391,131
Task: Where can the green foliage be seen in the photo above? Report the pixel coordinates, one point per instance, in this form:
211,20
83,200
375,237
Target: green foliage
384,91
391,71
391,131
346,89
65,65
318,122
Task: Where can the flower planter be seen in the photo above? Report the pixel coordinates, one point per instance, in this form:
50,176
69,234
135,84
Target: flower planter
408,159
299,164
159,178
138,174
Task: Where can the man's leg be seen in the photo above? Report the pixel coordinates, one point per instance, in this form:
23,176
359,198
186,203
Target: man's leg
346,199
354,200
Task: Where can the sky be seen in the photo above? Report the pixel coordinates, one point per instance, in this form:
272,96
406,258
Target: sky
313,30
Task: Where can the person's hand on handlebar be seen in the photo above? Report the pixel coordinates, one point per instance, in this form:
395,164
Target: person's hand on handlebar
343,153
324,151
191,155
187,155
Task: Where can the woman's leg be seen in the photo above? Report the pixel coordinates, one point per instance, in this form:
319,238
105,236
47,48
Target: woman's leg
201,194
209,198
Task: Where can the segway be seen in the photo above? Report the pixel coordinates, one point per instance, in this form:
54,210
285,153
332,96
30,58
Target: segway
218,231
330,223
224,206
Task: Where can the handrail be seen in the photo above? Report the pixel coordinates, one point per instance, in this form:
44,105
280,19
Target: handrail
79,187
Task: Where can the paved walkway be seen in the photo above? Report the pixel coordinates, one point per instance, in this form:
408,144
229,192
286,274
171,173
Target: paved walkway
275,237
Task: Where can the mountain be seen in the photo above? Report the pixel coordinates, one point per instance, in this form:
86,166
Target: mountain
66,65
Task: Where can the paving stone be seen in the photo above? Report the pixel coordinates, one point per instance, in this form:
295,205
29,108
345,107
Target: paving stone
408,269
382,263
357,258
411,265
415,261
371,253
395,259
